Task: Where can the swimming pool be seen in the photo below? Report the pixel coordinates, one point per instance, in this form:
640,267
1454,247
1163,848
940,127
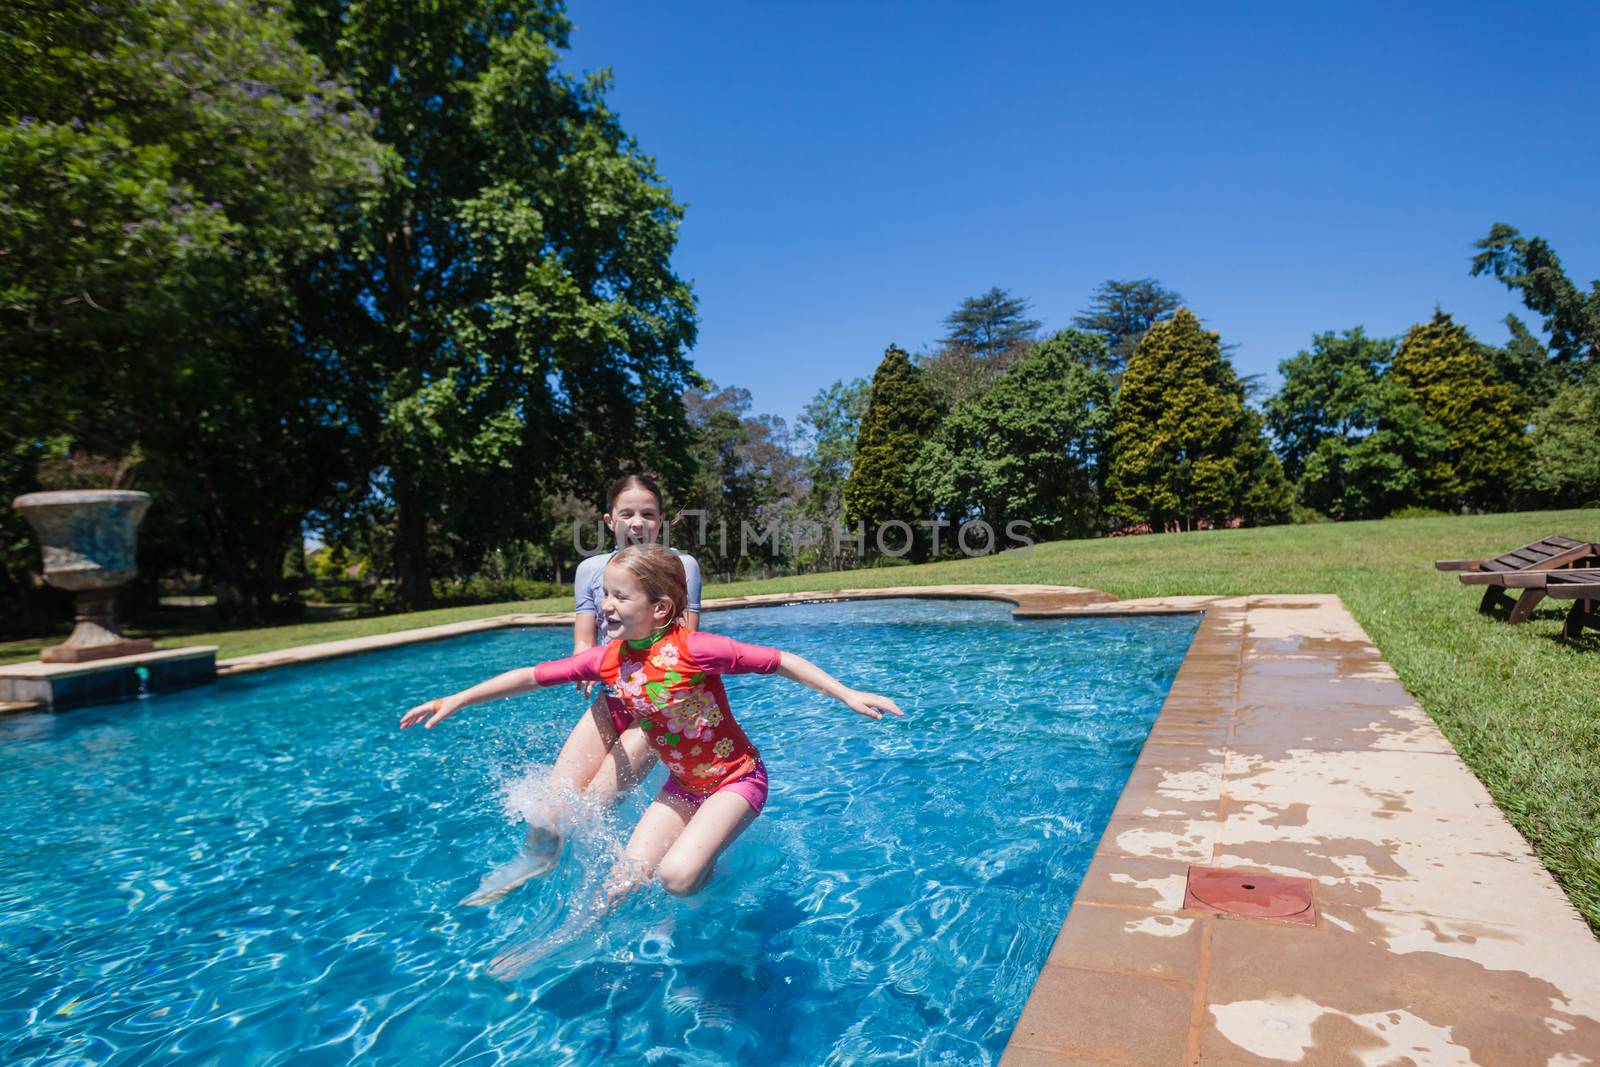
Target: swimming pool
265,870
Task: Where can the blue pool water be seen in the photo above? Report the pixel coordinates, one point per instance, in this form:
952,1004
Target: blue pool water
265,870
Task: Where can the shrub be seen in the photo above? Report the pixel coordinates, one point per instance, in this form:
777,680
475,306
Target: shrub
384,600
337,592
1417,511
479,590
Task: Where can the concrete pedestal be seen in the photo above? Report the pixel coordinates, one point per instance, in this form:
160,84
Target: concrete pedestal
57,686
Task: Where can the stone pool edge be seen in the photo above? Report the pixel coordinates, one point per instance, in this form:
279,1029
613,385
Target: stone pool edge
1288,746
1032,601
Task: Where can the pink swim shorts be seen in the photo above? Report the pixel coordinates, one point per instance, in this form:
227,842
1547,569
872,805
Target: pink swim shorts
753,787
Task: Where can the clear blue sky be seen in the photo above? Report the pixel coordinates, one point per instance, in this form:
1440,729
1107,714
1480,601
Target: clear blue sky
853,170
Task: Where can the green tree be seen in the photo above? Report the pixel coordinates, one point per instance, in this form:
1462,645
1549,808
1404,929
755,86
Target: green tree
745,485
990,325
1186,450
1121,312
1453,381
1528,265
1526,364
986,336
900,415
1565,449
827,431
1330,391
1372,474
1352,440
1031,448
168,169
510,302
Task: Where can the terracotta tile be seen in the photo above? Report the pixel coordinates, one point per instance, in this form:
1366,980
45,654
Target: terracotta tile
1178,771
1208,696
1299,645
1324,620
1375,781
1203,663
1022,1056
1336,727
1310,669
1150,785
1148,804
1133,881
1437,863
1316,996
1109,1017
1163,837
1156,944
1211,732
1196,711
1182,758
1344,688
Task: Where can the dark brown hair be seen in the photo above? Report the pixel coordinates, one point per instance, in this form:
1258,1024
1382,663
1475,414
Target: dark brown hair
633,481
659,570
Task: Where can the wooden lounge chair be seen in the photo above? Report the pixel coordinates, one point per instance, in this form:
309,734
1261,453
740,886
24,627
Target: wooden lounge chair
1581,586
1516,570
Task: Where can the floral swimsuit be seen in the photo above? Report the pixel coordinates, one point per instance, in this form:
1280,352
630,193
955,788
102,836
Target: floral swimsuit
671,685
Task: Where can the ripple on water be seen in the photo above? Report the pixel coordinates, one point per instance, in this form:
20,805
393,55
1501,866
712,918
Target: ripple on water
265,870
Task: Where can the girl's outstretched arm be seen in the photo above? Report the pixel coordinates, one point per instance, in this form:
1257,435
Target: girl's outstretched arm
509,684
799,669
584,666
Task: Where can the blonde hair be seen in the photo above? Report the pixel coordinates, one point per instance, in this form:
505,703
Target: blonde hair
659,570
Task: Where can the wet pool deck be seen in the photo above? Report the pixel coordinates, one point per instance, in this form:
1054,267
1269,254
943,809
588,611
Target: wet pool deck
1286,746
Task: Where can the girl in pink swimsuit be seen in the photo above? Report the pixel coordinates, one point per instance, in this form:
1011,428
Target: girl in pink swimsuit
667,681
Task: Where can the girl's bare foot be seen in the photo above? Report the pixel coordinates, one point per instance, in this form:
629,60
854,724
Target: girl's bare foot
540,852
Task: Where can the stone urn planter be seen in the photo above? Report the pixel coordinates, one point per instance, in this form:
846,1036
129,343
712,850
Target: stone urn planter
90,537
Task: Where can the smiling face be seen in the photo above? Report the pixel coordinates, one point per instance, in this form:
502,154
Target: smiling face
635,517
628,613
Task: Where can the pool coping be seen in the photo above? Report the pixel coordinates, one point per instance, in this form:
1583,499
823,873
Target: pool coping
1288,746
1032,601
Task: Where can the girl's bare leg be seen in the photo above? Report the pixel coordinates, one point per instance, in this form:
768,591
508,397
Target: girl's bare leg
659,827
678,844
687,866
663,821
599,762
596,760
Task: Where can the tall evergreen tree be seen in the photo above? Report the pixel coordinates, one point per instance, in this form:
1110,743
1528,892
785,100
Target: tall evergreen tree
900,415
1530,266
987,335
1525,362
990,325
1121,312
1453,381
1185,447
510,303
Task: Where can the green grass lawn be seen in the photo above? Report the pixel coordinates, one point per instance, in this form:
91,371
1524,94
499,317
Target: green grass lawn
1521,705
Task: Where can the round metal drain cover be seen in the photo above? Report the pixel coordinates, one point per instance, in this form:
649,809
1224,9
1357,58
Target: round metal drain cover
1251,896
